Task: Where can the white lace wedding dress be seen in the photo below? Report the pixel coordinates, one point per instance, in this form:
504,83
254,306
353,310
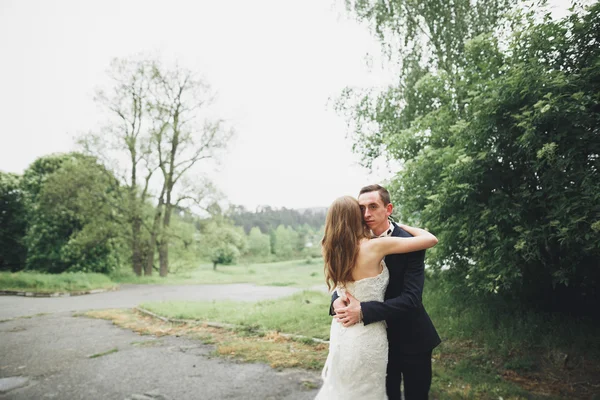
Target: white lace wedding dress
356,365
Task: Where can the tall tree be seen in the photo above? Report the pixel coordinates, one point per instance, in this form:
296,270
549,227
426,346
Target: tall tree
123,144
155,125
501,161
184,137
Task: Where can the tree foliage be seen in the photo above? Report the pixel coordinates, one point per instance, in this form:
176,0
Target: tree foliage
419,38
259,244
223,242
286,242
13,222
71,226
268,218
500,158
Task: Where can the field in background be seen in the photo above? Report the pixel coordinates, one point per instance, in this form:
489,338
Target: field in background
47,283
305,273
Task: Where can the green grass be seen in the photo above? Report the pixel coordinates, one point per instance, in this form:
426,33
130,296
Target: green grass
485,350
466,380
49,283
303,313
484,342
505,330
295,273
104,353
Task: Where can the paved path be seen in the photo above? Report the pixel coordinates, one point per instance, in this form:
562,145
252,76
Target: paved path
132,295
48,355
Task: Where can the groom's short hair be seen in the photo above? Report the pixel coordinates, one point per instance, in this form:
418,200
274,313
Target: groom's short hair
383,193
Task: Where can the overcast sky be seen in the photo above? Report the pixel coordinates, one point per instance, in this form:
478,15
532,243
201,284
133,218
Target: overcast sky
275,64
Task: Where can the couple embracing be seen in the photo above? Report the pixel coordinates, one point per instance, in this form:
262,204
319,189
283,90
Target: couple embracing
381,335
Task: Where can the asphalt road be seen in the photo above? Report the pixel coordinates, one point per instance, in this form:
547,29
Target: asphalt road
47,356
132,295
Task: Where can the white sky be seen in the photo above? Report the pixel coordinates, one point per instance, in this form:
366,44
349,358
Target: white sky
274,64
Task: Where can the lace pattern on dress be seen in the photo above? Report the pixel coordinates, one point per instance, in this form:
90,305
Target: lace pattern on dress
357,360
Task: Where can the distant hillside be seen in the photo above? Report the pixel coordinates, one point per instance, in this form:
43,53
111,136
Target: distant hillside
268,218
313,210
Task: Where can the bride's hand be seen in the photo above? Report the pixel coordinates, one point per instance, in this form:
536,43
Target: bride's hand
340,303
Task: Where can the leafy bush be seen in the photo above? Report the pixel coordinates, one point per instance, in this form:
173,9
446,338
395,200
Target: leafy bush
13,222
501,156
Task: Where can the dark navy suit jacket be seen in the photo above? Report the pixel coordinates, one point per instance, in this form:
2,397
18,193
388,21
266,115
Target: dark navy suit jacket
410,330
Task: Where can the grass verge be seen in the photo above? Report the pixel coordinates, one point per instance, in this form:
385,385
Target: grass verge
300,314
243,345
51,283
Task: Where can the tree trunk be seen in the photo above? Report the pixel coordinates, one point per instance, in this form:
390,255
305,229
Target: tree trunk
136,226
136,222
150,257
167,190
136,251
136,247
154,237
163,251
163,255
214,266
136,257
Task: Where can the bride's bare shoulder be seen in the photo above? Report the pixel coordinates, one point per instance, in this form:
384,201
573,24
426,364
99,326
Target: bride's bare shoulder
365,243
369,244
368,249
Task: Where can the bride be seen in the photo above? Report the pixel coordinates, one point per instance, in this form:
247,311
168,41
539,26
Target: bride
357,360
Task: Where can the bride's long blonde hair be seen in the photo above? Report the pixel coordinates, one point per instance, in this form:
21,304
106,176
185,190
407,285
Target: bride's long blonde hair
344,229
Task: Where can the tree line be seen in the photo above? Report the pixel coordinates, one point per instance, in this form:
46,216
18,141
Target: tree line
63,215
132,194
267,218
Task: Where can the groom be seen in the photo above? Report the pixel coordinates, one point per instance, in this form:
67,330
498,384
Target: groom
411,334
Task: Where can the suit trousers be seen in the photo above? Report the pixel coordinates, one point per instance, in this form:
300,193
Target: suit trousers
414,370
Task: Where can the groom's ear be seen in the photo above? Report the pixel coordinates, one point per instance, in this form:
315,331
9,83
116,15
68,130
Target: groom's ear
389,209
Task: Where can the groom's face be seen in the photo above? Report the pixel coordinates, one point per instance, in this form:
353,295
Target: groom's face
374,212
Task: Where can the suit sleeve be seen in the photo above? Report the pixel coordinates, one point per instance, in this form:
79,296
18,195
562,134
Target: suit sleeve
410,299
334,296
